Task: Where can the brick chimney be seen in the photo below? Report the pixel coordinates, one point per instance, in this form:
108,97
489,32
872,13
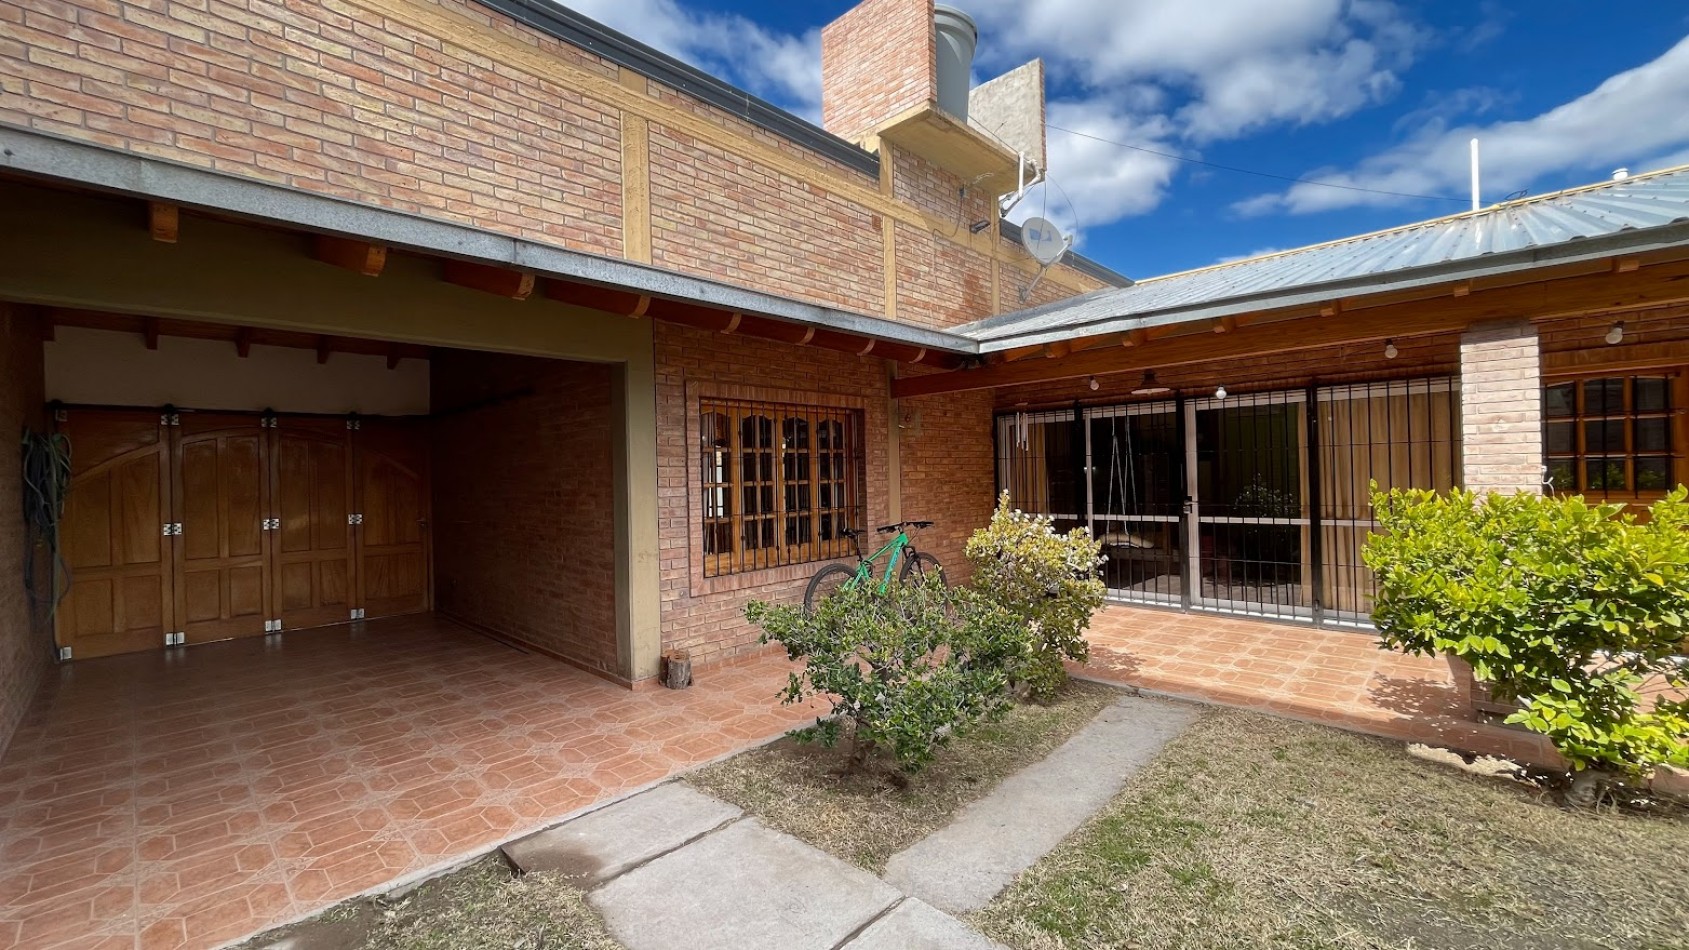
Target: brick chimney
878,61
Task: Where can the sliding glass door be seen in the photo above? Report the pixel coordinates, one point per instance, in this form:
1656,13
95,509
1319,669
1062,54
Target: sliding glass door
1136,484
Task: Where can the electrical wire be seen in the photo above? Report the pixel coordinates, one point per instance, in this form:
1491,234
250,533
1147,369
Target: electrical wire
1250,171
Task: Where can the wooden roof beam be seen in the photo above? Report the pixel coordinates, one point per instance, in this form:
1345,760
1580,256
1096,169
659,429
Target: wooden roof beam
593,297
359,257
499,281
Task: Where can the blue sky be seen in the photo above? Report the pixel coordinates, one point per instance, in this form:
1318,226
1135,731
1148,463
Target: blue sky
1376,94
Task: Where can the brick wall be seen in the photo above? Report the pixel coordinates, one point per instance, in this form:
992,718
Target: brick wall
1501,408
948,471
877,61
707,615
523,502
940,283
719,213
323,96
23,648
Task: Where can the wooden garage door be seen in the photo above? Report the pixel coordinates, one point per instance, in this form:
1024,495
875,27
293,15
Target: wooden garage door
312,538
392,483
221,525
112,537
221,497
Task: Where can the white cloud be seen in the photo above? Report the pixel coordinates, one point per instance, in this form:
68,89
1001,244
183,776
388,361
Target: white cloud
1096,182
1636,118
780,67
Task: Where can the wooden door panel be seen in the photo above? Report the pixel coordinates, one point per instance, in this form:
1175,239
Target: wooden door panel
392,485
313,543
221,490
112,535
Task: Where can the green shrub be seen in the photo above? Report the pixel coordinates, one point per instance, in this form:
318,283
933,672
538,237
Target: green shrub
1046,580
905,670
1561,606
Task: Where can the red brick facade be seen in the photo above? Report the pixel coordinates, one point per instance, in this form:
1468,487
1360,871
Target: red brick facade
523,502
23,650
877,60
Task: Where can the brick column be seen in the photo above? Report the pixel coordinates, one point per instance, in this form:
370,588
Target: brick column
1501,408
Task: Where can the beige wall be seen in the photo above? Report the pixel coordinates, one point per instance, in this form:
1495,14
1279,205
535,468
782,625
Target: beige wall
112,368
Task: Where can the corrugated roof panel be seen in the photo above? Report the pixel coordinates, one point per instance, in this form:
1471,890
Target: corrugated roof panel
1647,201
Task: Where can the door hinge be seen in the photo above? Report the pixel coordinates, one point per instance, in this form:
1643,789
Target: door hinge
177,639
355,519
64,653
170,419
269,422
272,626
354,424
357,613
272,524
172,528
60,415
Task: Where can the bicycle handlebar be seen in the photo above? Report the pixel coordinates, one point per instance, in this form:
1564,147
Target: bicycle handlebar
889,528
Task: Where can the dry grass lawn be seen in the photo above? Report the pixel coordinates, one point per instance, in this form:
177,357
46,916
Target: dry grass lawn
1255,832
865,819
483,905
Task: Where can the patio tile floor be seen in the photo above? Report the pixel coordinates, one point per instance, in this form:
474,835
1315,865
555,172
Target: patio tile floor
1337,677
189,798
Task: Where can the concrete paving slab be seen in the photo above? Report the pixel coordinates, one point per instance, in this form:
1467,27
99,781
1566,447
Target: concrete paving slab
961,867
917,925
743,887
602,844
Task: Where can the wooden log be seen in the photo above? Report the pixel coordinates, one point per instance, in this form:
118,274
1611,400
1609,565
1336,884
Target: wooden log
677,669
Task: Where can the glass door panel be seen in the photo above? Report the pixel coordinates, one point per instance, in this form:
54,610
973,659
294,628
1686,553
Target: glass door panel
1247,476
1135,483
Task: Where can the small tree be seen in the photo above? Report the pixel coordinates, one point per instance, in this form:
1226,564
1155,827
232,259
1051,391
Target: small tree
1045,579
1561,606
905,670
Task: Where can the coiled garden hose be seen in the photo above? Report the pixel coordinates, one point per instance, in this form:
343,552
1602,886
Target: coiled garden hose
46,479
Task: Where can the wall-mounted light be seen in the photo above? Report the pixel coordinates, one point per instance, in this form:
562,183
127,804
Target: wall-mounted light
1092,382
1220,391
1615,334
1390,351
979,226
1149,386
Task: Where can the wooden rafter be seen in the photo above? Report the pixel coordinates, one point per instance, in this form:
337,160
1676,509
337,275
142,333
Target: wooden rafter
243,342
242,337
501,281
360,257
164,221
1591,292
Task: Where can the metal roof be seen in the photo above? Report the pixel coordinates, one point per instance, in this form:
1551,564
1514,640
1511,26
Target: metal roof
1633,214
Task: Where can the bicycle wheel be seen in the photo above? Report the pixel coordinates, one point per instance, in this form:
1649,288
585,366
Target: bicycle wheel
824,583
919,567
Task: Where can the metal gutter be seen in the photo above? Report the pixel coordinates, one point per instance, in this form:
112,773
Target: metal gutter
562,23
1570,252
51,158
1079,262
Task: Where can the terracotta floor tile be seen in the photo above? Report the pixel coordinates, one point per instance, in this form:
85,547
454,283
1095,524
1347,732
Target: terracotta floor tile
183,800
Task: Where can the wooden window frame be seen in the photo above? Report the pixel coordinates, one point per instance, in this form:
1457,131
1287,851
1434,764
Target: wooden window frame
1676,415
752,494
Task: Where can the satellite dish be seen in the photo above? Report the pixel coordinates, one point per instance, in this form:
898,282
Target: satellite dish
1043,240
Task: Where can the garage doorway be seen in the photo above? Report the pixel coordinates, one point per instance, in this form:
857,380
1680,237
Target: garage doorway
185,527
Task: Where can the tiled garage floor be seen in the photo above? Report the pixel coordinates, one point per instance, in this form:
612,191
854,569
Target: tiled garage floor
1338,677
188,798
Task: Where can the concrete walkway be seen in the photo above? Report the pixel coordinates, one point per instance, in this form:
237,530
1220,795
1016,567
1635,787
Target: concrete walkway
962,866
673,867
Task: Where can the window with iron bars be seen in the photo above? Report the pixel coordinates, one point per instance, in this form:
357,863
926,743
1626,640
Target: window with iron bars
778,483
1610,436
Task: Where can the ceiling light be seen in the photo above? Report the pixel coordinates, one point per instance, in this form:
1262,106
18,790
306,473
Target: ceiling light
1149,387
1220,391
1094,384
1616,333
1390,351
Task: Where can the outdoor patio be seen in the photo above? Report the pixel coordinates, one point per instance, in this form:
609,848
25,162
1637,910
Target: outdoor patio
188,798
1332,676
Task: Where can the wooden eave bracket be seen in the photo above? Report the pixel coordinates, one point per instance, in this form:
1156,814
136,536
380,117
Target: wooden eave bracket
164,221
360,257
500,281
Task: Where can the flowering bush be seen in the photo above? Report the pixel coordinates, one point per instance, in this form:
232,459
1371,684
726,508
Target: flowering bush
1045,579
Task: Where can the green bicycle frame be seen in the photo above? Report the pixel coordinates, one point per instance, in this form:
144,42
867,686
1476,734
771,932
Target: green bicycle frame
865,566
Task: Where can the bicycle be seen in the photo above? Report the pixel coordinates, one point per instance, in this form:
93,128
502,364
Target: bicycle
916,565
